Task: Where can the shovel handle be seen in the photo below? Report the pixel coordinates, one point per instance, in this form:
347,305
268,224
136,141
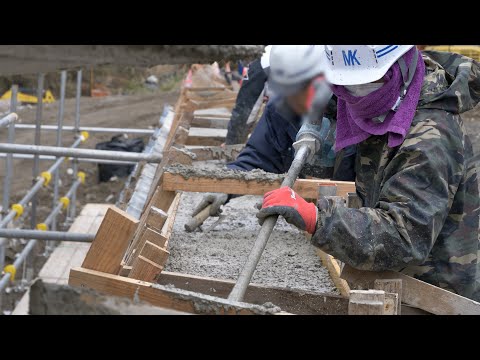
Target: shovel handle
198,219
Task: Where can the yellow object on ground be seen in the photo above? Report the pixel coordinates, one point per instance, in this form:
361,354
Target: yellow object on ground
29,96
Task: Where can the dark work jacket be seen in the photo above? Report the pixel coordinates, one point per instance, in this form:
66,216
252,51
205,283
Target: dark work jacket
270,145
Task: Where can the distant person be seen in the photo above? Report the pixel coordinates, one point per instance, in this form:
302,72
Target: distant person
252,86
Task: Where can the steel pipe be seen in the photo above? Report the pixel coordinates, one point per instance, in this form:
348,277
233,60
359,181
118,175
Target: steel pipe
238,291
52,158
79,153
90,129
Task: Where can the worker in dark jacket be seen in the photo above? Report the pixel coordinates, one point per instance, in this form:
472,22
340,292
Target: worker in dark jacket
252,86
270,145
420,212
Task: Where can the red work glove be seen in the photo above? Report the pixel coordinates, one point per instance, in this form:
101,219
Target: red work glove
291,206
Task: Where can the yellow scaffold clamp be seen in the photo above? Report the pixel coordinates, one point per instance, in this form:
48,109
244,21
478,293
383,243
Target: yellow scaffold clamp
18,208
10,269
65,201
42,227
84,135
47,177
81,176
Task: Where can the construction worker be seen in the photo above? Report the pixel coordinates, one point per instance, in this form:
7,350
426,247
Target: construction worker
293,70
252,86
419,192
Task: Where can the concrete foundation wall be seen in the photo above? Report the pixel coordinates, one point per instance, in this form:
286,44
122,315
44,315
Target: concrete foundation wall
26,59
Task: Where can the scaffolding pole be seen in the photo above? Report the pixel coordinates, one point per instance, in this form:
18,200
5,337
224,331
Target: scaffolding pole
36,235
46,235
8,173
63,85
71,212
52,158
29,195
36,158
61,205
79,153
90,129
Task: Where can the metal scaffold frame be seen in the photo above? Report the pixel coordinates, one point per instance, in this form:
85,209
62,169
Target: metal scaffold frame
46,229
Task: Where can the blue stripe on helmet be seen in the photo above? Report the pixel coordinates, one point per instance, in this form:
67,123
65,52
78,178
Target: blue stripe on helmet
384,49
389,51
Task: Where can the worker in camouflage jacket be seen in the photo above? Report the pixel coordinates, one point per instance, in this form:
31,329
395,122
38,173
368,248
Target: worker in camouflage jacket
420,212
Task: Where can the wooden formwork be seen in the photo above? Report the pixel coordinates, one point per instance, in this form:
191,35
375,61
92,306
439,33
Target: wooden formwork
128,255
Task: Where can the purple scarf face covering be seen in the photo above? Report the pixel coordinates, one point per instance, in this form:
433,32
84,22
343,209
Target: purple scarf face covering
355,114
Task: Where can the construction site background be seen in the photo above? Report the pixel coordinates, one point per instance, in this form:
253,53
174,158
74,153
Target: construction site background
131,105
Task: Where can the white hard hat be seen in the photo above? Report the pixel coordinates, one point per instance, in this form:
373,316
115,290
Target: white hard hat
265,59
292,66
360,64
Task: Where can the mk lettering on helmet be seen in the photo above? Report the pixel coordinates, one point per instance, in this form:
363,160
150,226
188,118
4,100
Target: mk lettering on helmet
351,58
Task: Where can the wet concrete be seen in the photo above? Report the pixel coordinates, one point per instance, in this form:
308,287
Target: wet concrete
289,260
203,170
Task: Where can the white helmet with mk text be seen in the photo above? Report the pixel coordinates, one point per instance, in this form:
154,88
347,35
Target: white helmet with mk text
360,64
293,66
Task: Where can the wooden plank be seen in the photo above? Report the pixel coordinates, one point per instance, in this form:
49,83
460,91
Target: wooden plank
294,301
172,213
125,270
154,253
158,295
214,112
111,241
307,188
156,218
185,156
333,268
144,269
149,263
393,286
192,105
181,136
366,302
206,136
162,199
391,304
210,122
416,292
141,236
154,236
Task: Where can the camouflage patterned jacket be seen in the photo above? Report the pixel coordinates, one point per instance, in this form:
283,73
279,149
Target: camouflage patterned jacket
421,204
